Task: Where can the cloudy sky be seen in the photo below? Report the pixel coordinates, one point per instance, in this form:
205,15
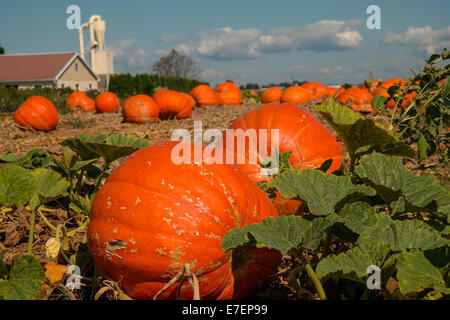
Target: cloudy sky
246,41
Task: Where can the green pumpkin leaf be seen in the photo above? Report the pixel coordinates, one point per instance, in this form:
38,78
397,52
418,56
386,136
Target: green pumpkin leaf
283,233
357,132
321,191
17,185
25,280
391,180
353,264
116,139
423,147
80,204
403,235
377,103
358,216
110,147
50,186
416,273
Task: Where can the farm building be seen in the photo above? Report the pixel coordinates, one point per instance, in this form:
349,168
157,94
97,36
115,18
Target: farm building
56,70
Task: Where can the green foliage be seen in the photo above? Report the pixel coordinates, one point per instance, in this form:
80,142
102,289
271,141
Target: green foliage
24,281
126,85
423,121
11,98
379,213
17,185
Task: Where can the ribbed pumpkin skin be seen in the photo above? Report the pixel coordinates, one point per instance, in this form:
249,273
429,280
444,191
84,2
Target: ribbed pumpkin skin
172,104
205,95
192,101
230,98
358,99
311,143
37,112
271,95
140,108
316,89
107,102
295,94
227,86
145,236
79,101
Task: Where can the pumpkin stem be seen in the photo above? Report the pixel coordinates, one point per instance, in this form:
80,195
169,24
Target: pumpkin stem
184,274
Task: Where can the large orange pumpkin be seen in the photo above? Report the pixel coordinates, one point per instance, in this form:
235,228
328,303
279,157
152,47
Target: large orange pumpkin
174,214
140,108
37,112
370,85
79,101
358,99
205,95
231,97
107,102
317,90
172,104
310,142
227,86
295,94
272,94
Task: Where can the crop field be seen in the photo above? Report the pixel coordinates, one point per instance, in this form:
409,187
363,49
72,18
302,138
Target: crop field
350,203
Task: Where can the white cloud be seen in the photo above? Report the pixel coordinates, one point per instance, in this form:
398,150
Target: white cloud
229,44
218,44
211,74
325,35
298,69
127,58
426,40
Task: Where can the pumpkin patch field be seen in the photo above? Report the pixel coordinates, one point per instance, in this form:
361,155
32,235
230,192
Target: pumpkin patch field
351,203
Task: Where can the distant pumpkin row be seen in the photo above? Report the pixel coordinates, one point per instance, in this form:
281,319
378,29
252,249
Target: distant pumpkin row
40,114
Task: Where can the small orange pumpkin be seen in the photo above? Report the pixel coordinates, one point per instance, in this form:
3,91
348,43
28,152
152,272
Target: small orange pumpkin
317,90
227,86
358,99
172,104
79,101
230,98
382,89
140,108
37,112
296,94
271,95
205,95
107,102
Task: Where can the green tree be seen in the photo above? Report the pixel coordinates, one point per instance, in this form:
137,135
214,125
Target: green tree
2,50
176,64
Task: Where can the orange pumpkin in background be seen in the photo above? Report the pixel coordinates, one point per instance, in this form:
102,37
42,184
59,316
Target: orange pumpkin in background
140,108
227,86
253,93
331,91
191,99
358,99
205,95
382,90
172,104
317,90
370,85
230,98
79,101
143,237
107,102
38,113
295,94
310,142
272,94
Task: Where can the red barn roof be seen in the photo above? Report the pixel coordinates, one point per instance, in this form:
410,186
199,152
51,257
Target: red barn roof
31,67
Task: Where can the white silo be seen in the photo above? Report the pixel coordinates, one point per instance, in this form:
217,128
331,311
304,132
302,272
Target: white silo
101,60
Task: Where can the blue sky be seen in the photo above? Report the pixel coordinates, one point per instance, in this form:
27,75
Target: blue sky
246,41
